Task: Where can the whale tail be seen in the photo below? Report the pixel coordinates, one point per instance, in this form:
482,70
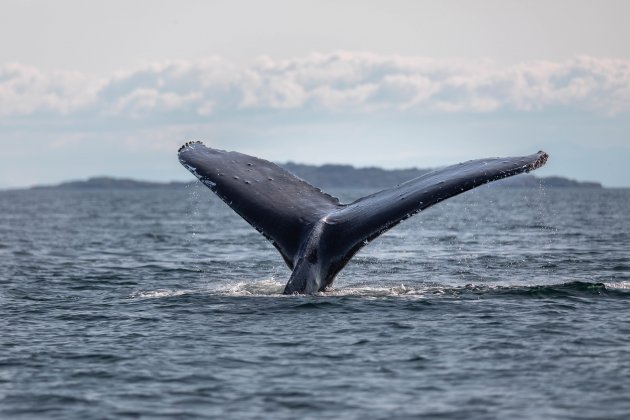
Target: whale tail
316,234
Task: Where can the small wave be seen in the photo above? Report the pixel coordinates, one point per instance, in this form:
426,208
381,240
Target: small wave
559,290
156,294
572,289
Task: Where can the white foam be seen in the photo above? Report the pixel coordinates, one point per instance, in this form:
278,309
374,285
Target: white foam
265,287
618,284
156,294
371,291
273,287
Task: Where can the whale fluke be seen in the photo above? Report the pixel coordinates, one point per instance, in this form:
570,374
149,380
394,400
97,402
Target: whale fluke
316,234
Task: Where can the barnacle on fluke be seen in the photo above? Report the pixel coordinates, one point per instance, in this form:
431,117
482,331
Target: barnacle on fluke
188,143
542,159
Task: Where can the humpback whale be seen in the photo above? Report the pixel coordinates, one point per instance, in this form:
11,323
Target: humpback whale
315,233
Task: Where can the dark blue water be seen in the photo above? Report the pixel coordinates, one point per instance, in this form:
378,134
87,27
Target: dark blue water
163,303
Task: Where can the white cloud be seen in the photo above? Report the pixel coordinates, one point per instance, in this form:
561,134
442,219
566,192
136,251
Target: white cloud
26,90
341,82
141,101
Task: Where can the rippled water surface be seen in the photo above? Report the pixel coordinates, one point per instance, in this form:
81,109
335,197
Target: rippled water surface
495,304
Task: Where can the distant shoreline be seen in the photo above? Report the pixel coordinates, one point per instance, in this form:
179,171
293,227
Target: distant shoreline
327,176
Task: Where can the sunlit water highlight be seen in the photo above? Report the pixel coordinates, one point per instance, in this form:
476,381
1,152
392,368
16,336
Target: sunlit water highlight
163,303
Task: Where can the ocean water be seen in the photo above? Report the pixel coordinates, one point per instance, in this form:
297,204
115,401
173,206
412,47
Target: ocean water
164,303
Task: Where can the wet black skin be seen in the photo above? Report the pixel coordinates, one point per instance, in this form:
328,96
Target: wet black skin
315,234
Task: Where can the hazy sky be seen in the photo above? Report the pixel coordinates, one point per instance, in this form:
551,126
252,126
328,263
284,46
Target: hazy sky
113,88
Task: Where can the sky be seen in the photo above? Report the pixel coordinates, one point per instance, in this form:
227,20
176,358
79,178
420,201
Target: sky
114,88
